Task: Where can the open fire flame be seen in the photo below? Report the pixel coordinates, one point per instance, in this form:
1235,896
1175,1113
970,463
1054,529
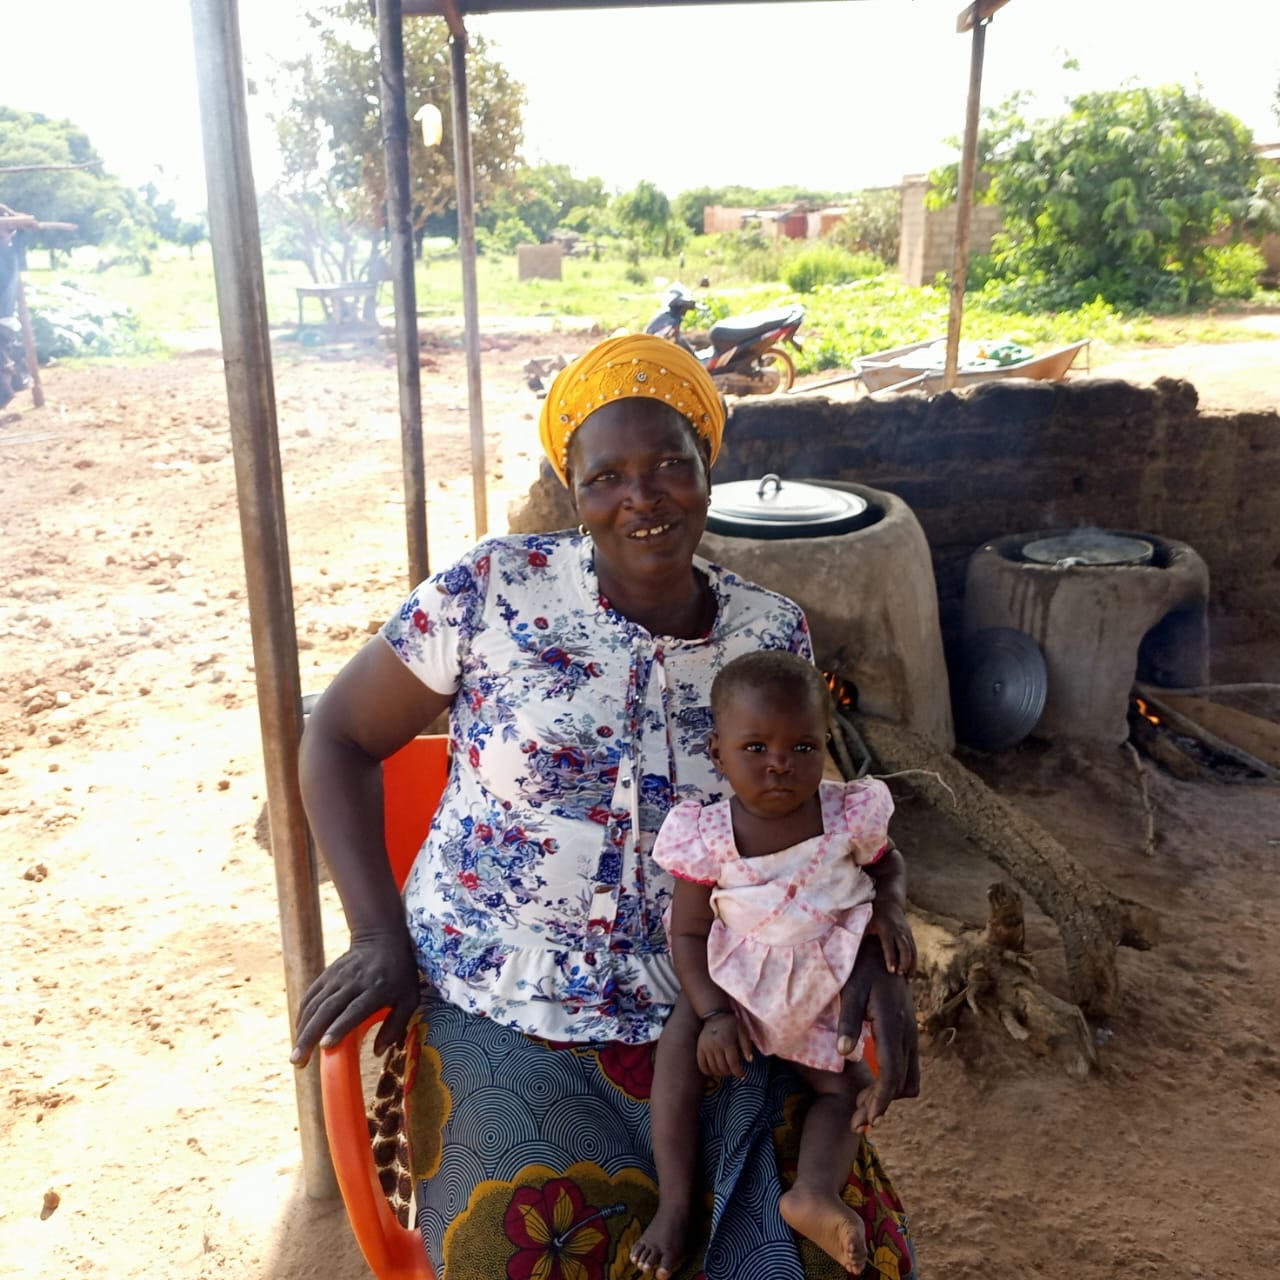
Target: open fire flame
841,693
1145,711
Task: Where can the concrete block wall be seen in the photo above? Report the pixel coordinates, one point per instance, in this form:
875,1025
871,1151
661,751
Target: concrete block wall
911,228
928,236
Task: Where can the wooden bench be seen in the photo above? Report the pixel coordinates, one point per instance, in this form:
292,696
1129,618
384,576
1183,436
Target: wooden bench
343,304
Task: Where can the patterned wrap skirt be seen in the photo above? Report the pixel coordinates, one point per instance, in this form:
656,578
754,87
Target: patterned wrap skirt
532,1160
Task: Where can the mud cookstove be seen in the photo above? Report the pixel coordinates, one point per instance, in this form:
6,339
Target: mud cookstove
1104,607
857,562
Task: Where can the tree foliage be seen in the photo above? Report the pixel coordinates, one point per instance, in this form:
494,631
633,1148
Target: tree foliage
1119,197
540,199
872,223
690,206
331,201
644,213
99,205
169,224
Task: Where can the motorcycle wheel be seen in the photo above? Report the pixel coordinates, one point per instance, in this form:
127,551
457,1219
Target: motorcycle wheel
776,362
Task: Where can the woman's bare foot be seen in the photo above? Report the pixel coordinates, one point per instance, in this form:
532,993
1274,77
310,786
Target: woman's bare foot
829,1223
661,1249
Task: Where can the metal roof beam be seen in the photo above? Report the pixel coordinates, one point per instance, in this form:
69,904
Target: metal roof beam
442,8
448,10
977,13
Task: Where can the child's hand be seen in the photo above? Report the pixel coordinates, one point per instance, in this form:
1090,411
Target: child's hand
722,1045
889,923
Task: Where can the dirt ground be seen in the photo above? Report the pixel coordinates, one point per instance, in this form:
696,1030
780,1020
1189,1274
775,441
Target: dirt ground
150,1125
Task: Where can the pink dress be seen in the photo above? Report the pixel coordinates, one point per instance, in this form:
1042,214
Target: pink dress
788,925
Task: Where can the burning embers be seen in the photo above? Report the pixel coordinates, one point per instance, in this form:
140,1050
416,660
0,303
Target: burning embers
844,694
1168,735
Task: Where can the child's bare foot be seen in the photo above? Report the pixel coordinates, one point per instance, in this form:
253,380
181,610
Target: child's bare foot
661,1248
829,1223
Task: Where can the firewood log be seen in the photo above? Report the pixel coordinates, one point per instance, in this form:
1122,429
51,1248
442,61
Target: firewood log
960,967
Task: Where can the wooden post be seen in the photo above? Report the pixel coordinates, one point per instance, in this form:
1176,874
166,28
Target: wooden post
246,353
964,195
395,150
29,345
467,244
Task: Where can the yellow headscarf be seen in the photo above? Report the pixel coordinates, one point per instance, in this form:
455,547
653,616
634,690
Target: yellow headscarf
634,364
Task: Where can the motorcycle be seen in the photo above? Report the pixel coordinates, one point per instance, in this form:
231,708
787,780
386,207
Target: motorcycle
744,357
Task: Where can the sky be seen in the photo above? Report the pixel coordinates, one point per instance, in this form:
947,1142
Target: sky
826,94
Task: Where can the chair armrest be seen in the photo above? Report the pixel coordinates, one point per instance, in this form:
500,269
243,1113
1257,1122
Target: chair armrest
393,1252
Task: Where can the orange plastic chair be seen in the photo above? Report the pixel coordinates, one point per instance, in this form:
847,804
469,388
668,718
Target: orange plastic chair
412,782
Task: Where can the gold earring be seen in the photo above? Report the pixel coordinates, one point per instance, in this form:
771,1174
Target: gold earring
582,530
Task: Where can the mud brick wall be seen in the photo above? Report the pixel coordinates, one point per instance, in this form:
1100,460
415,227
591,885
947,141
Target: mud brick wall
1017,456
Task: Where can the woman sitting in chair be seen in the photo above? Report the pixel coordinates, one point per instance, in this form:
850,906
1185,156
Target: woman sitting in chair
576,668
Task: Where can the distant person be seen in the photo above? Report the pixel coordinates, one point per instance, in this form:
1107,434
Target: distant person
775,887
576,670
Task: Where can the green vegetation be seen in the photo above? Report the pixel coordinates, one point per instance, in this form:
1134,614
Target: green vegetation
67,320
540,200
827,264
842,321
56,175
1120,198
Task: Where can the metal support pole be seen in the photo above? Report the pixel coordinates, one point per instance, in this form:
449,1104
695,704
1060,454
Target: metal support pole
246,347
395,150
467,245
964,203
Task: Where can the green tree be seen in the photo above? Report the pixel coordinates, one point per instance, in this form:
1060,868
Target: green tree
1119,197
540,199
332,193
50,188
169,224
689,206
191,232
131,231
556,185
164,213
644,213
872,223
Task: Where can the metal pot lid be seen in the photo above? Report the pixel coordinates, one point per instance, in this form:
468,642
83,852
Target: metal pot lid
768,507
1002,688
1089,547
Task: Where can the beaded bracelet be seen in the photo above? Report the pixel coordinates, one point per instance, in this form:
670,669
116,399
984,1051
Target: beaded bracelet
714,1013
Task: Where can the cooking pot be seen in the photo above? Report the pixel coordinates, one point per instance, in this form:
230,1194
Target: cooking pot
1088,547
772,508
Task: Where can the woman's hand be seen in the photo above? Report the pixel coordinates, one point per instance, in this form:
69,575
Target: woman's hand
380,971
883,999
889,923
722,1045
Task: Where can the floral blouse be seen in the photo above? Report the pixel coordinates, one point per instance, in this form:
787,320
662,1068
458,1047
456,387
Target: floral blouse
535,900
